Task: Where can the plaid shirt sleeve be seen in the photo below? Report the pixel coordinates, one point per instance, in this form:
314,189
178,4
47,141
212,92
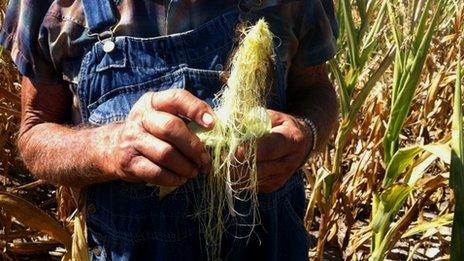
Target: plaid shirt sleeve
20,35
317,34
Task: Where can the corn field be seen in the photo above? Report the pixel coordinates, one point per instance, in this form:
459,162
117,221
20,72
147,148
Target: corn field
388,186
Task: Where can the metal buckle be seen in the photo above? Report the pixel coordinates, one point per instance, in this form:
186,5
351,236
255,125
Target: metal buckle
106,38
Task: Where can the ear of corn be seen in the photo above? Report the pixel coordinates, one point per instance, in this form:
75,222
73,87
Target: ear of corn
241,120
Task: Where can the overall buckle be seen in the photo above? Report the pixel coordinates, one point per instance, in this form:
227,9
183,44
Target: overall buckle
107,39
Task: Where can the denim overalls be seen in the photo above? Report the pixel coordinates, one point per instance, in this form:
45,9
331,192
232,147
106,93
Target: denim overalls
127,221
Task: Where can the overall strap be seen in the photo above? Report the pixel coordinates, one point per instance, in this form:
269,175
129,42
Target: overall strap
100,15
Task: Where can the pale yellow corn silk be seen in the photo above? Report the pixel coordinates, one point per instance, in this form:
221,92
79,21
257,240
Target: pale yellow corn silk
241,120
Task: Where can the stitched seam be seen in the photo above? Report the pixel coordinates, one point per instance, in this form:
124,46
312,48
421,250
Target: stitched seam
65,18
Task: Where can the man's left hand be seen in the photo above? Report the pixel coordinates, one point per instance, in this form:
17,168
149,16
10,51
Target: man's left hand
281,152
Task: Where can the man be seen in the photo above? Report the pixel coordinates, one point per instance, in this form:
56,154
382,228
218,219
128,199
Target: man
107,88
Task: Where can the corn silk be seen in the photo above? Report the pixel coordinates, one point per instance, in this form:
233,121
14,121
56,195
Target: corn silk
231,191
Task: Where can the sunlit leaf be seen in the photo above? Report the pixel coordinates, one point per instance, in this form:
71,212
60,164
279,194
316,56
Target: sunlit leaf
425,226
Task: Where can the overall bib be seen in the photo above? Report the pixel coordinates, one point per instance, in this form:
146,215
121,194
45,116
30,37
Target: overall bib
127,221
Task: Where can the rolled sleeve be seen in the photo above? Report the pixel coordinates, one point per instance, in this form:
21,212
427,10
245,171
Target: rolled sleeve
317,34
20,34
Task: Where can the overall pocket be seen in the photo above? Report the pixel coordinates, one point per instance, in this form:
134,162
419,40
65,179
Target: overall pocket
115,104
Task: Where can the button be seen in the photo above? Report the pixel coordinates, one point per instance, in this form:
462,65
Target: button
91,209
108,46
219,67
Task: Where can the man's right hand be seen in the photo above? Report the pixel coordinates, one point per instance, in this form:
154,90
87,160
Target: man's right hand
154,144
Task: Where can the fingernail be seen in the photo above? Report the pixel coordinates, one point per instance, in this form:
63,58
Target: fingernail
205,158
207,119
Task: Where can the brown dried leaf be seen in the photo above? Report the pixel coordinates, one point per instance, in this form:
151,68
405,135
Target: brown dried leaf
34,217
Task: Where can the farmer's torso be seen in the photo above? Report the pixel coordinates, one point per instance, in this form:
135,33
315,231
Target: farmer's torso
129,221
54,40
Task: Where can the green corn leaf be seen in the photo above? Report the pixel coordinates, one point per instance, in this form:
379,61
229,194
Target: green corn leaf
421,26
371,38
373,79
342,88
404,89
457,170
398,37
418,170
388,239
423,227
396,76
388,205
405,157
390,201
351,33
402,159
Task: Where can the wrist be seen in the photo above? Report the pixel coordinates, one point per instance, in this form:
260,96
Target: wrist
106,143
310,132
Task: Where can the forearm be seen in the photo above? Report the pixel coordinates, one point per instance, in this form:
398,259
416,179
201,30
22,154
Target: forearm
312,95
67,156
153,145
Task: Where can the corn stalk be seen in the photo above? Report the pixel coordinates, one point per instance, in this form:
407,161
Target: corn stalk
407,69
359,56
409,61
457,170
358,43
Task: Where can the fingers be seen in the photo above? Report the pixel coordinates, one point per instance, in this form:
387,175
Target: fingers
274,174
283,139
173,130
149,172
183,103
165,155
274,146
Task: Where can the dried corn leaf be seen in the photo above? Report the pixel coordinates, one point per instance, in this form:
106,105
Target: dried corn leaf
79,244
34,217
